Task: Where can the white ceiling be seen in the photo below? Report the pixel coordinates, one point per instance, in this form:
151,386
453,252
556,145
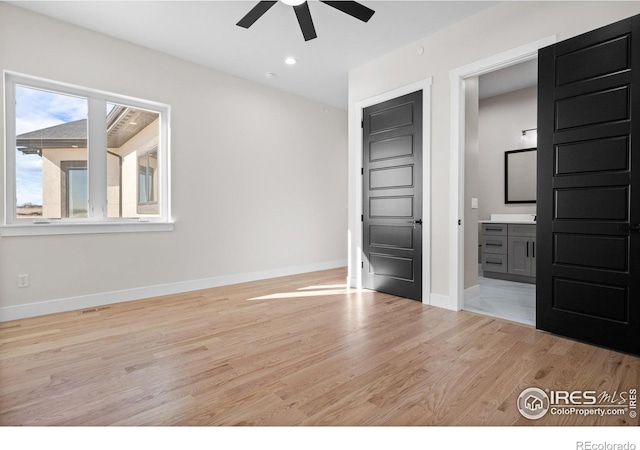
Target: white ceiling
204,32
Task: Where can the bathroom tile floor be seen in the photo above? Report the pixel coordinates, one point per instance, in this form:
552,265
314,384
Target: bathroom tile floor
505,299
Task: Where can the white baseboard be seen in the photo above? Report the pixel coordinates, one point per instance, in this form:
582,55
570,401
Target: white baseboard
472,292
106,298
440,301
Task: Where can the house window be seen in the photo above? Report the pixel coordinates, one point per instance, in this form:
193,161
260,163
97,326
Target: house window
81,156
148,182
74,188
77,192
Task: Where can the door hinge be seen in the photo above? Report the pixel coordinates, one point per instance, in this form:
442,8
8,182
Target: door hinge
459,222
362,123
362,171
363,264
361,217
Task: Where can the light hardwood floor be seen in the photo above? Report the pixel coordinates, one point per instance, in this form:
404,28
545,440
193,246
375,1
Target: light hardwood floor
300,350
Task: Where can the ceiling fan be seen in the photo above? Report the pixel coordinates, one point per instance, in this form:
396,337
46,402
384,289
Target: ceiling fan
303,14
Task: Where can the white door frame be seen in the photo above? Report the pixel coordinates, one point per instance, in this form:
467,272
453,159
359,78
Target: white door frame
456,193
355,182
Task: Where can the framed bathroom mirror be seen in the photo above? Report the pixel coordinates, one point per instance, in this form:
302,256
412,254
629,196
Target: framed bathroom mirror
520,175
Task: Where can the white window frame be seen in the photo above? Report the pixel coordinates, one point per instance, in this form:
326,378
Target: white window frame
97,222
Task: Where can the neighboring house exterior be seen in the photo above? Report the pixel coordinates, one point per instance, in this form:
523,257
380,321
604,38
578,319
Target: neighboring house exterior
132,164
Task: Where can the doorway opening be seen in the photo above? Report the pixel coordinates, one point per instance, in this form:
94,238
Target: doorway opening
500,117
494,111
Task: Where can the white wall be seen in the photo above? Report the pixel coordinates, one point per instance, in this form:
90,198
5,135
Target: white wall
501,121
259,178
503,27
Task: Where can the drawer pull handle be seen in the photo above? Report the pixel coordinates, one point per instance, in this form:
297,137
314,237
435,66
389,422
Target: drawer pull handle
488,244
494,263
493,229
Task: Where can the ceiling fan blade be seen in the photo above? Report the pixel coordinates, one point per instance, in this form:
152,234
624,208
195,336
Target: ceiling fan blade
255,13
354,9
306,23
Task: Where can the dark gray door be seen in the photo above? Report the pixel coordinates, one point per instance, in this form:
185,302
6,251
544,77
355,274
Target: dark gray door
392,186
588,238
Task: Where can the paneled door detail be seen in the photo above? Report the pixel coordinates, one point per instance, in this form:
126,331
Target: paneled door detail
392,204
588,233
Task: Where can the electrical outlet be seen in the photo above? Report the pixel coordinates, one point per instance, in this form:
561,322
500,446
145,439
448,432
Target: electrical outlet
23,280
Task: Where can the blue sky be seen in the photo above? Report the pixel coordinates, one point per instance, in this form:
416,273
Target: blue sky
36,109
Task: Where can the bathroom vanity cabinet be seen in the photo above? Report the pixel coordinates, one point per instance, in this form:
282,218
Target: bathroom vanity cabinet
509,251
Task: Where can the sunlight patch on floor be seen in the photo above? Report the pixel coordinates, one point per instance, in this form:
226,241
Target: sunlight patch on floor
298,294
326,286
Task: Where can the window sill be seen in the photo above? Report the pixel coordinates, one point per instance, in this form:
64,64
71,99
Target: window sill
32,229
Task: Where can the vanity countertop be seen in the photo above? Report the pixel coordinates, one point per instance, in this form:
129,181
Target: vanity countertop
521,219
519,222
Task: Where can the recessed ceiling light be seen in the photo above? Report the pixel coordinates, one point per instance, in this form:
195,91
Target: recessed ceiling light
293,2
269,74
290,61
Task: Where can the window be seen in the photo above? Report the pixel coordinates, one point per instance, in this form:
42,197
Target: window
148,183
51,130
76,156
74,192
